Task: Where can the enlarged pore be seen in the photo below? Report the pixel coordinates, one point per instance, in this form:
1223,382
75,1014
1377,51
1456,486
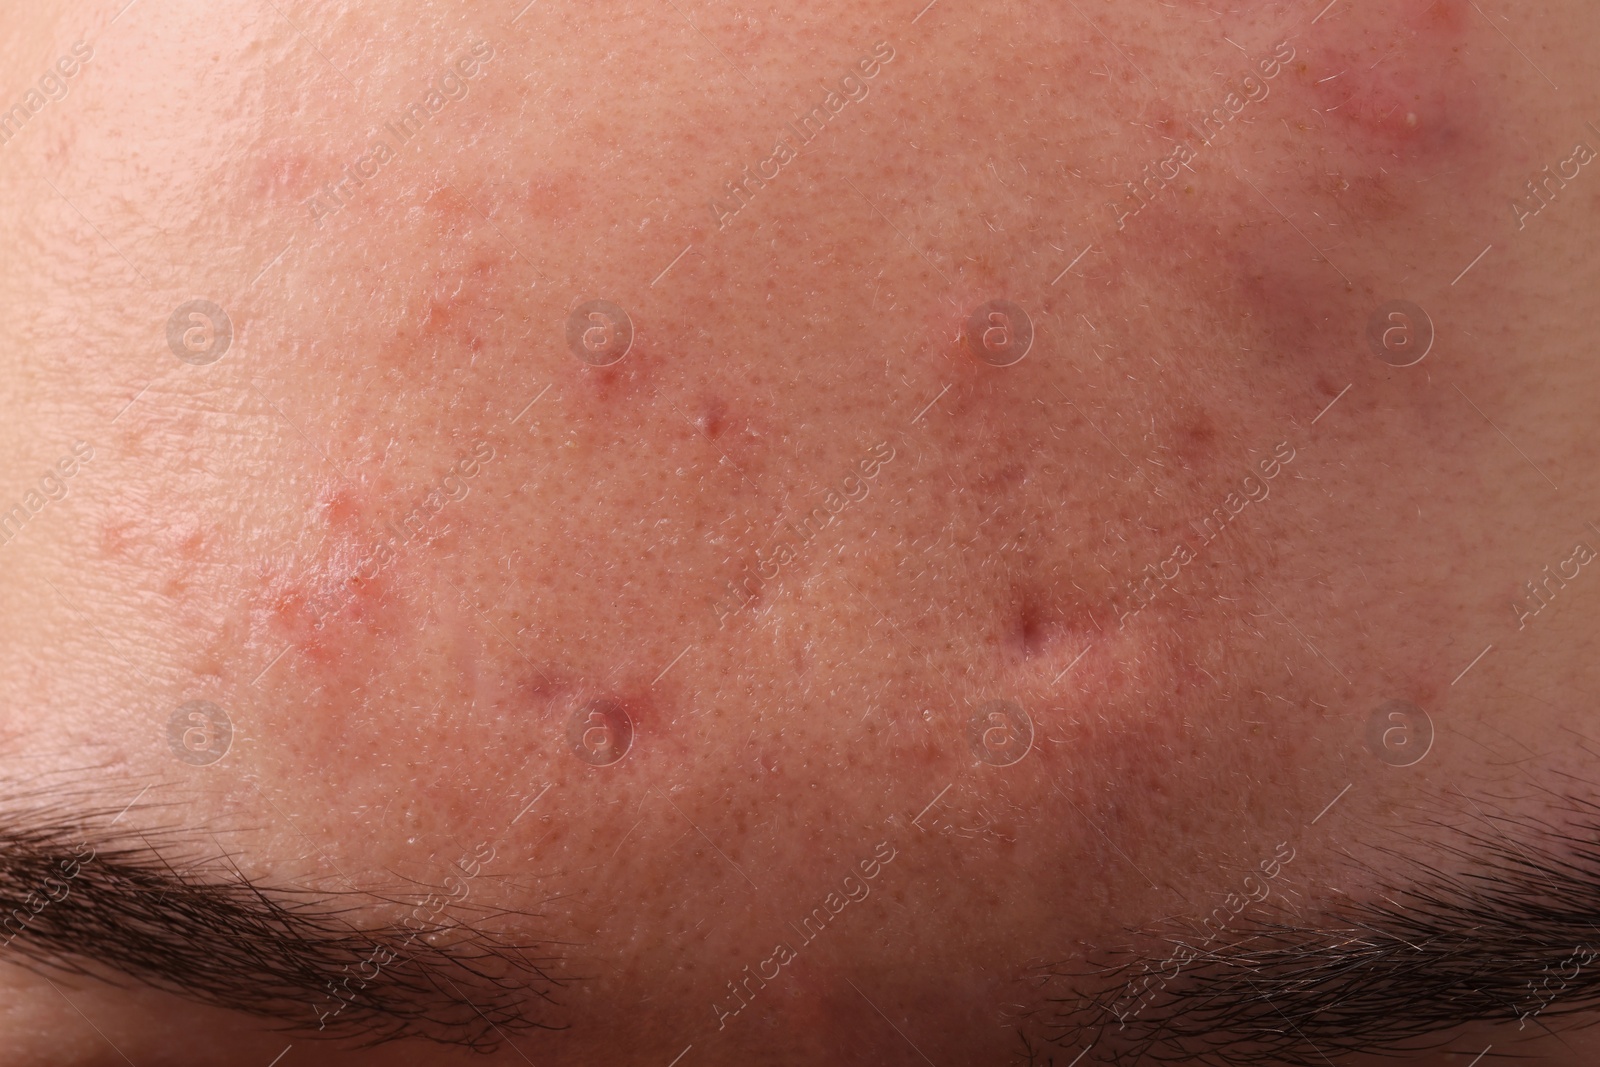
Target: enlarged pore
83,896
1501,931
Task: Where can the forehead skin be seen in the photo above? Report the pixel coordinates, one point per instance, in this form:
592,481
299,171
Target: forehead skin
800,536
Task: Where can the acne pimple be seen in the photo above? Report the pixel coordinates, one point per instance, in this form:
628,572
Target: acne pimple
713,418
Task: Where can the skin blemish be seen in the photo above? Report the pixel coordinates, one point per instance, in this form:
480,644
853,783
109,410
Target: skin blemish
713,418
738,440
626,380
1391,81
118,538
344,579
1046,630
1200,434
599,722
287,176
336,504
1032,631
453,310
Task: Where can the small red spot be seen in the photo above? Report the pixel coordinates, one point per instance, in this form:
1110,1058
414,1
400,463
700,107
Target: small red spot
285,174
1033,631
1199,434
713,418
1447,17
554,195
117,538
634,371
337,505
191,543
1396,80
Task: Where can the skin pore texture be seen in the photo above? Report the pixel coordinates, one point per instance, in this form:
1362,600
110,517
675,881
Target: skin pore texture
849,667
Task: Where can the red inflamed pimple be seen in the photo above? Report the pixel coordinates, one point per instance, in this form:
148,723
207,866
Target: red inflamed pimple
1394,81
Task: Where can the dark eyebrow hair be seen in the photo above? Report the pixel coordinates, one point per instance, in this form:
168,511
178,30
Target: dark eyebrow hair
1500,928
84,896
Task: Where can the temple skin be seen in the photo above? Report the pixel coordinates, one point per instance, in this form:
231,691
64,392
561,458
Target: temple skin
691,637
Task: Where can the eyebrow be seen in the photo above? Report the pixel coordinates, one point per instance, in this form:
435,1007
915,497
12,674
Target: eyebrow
1500,928
81,896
